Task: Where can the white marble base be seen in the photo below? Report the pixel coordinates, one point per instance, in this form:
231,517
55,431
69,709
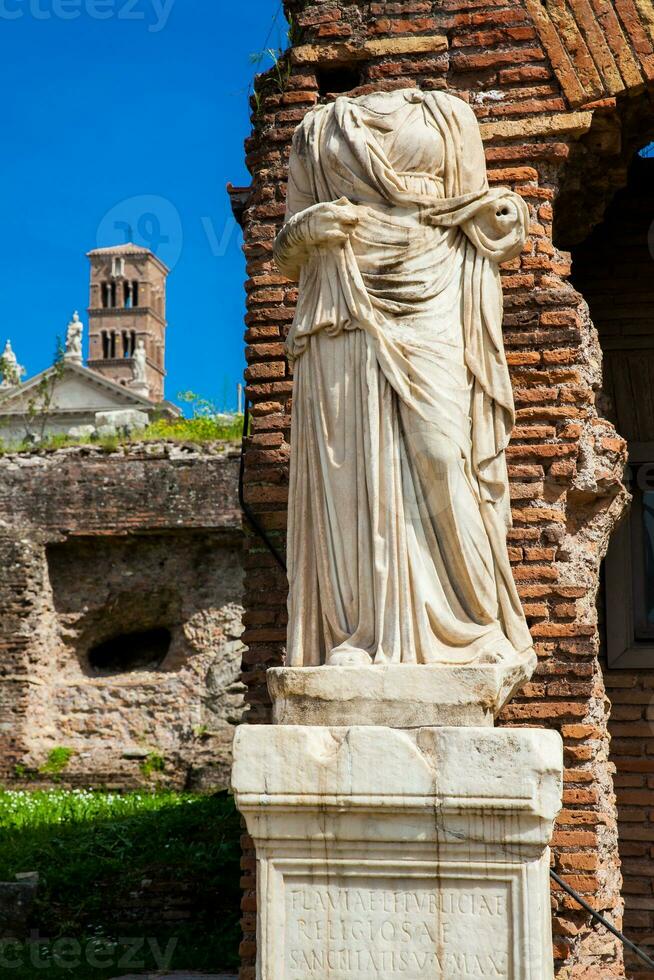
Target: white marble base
387,854
139,388
397,695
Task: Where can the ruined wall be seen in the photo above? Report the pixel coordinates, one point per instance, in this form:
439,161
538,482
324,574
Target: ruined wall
139,549
548,83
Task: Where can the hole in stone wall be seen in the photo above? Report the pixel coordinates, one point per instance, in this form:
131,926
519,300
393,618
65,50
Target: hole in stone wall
339,78
127,652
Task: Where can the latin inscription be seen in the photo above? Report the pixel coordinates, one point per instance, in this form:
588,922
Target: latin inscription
373,929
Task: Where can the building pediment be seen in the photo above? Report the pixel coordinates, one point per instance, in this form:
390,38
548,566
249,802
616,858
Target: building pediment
78,389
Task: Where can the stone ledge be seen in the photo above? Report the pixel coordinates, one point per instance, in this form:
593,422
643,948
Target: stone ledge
346,51
468,773
360,832
397,695
556,124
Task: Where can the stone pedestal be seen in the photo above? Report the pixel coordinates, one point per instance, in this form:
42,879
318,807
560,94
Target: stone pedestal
417,855
139,388
400,695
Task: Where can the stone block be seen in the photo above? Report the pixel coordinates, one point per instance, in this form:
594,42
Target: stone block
16,901
572,124
348,51
106,431
81,431
388,854
397,695
127,419
140,388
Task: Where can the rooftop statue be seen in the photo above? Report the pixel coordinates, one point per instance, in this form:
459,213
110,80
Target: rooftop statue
403,407
10,369
74,333
139,363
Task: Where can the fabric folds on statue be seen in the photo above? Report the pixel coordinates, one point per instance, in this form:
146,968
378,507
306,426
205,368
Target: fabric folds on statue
400,330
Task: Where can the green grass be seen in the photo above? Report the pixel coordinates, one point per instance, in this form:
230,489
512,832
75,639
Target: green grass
201,430
93,851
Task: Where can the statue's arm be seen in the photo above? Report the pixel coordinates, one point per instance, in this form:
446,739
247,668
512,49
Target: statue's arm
500,227
308,223
290,245
496,221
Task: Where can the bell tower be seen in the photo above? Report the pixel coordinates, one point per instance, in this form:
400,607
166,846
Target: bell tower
127,305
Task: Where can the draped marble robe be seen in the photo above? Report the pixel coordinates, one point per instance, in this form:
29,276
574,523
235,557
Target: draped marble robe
402,406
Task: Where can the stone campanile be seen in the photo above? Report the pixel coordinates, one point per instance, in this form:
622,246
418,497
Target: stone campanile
127,313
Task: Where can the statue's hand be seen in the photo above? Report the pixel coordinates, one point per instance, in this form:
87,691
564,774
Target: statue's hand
331,224
499,218
496,223
327,225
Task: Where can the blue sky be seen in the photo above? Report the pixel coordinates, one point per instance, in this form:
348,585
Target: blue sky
130,111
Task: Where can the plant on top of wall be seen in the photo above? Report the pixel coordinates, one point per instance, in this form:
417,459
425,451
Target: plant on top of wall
274,79
206,424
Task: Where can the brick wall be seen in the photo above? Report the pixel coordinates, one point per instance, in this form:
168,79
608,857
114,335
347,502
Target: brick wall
552,87
93,545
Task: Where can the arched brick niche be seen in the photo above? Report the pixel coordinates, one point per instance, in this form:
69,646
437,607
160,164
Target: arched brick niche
550,86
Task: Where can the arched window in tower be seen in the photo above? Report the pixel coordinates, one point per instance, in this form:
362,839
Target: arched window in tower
118,267
105,344
112,344
127,295
135,292
113,294
105,294
125,338
132,338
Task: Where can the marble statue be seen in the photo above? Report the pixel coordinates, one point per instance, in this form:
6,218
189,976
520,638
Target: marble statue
139,363
397,832
10,369
403,408
74,333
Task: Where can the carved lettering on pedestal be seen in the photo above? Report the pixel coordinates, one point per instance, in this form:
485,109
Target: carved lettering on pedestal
373,928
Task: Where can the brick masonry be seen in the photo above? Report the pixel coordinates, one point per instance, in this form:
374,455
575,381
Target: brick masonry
562,92
96,544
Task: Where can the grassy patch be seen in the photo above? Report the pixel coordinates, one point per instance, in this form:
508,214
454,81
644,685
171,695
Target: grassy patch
201,430
111,868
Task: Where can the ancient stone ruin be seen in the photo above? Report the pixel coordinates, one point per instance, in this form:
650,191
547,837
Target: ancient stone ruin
121,616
